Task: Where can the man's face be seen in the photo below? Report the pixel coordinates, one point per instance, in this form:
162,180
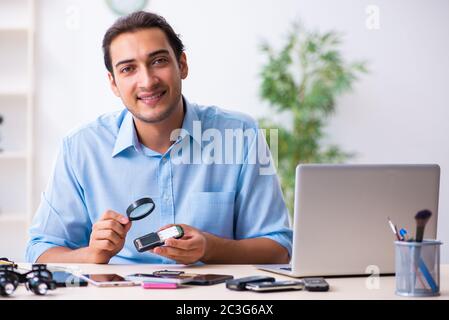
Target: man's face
147,75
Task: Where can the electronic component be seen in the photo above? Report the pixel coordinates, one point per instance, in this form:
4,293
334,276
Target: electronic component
155,239
315,284
275,286
240,283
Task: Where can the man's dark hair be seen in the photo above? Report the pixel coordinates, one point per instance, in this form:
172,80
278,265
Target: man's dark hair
137,21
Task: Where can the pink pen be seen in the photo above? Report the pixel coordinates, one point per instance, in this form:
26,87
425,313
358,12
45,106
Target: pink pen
159,285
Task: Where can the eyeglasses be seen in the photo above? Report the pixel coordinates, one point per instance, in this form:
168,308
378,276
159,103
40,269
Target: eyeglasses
39,280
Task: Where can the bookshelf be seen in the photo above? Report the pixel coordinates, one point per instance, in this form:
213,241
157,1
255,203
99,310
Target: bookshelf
16,130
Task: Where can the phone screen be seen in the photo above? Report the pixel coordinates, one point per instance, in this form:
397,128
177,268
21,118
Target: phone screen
105,277
206,279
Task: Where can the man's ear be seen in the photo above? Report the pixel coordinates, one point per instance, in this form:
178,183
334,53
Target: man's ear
183,67
113,84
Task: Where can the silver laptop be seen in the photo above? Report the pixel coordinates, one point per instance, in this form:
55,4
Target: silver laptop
340,225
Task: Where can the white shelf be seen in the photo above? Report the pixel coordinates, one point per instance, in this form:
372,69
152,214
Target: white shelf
16,14
13,217
17,54
13,92
14,29
10,155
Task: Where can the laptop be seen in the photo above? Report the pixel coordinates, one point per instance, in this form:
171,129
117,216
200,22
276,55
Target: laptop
341,212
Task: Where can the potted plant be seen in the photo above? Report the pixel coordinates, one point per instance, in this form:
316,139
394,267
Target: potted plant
304,79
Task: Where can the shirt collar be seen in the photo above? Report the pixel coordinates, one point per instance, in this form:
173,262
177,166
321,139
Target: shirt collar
127,135
190,118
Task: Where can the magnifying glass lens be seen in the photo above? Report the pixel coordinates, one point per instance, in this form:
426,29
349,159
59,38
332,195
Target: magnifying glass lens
140,209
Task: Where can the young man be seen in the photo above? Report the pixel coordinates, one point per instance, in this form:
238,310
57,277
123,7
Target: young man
230,213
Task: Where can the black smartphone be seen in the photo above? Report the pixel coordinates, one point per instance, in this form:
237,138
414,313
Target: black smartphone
66,279
275,286
315,284
240,283
209,279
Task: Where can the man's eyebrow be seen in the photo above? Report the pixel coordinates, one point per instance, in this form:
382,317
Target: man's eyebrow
150,55
155,53
124,61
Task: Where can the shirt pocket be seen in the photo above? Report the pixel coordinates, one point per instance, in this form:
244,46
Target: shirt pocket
213,212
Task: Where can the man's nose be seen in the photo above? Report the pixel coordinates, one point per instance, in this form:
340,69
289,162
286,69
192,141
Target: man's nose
147,78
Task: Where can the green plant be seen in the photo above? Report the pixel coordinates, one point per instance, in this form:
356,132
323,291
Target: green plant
303,79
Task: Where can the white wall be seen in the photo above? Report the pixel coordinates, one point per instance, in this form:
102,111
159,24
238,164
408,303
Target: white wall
396,113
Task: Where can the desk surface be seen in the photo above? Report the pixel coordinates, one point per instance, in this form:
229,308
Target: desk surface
340,288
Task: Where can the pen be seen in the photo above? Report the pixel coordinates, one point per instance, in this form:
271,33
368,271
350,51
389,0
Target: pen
394,229
403,234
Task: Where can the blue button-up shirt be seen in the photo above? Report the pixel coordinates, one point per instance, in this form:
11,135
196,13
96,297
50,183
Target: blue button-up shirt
103,166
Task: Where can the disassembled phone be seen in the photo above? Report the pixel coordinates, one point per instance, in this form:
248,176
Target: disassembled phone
275,286
178,277
156,239
240,284
107,280
209,279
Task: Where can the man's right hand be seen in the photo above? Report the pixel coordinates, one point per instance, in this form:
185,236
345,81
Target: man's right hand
108,236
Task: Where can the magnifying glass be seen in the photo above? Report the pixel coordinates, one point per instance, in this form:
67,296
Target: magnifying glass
140,209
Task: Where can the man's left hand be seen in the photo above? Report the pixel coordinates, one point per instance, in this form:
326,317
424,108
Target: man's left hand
186,250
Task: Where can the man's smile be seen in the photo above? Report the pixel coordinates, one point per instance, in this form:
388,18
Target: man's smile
151,98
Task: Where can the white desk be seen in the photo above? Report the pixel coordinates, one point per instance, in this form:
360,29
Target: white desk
340,288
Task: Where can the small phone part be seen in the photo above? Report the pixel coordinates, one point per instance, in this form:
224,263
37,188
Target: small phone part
66,279
240,283
168,273
315,284
159,285
156,239
210,279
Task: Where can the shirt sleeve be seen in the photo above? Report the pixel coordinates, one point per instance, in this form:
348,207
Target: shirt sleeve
62,218
260,207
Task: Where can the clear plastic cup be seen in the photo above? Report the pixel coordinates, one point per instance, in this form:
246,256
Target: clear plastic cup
418,268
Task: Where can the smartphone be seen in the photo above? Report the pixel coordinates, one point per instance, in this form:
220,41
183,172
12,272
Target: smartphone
210,279
144,277
107,280
66,279
315,284
240,283
275,286
156,239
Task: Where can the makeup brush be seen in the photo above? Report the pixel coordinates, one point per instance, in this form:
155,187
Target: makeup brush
421,219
